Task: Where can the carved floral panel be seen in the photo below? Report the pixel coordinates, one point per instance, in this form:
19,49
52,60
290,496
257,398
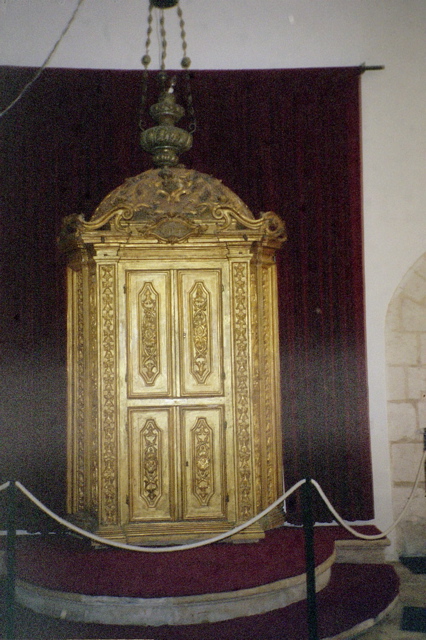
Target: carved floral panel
150,464
200,349
149,348
148,333
201,334
150,471
202,456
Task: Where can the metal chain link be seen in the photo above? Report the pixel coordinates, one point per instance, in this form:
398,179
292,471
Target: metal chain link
148,37
162,76
185,64
185,60
146,59
163,41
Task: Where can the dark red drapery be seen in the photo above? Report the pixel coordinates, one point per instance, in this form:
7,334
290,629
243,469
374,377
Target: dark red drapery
283,140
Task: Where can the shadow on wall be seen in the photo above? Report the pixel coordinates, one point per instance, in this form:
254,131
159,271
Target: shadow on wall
32,418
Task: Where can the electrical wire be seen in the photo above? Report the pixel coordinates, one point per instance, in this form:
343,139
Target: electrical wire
45,63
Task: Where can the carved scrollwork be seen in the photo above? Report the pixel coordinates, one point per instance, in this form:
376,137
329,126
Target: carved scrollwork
119,218
80,367
268,386
269,224
173,186
93,346
202,452
170,229
199,299
172,205
273,225
255,356
150,474
242,387
107,278
149,350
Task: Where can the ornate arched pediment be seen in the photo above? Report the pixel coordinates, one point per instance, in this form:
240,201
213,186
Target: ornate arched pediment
173,204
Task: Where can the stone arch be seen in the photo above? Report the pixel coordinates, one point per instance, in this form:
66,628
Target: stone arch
405,334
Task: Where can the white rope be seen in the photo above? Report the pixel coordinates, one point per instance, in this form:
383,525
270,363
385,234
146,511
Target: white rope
45,63
182,547
5,485
226,534
377,536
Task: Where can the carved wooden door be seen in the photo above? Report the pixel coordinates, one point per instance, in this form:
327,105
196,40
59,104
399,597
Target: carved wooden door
173,373
176,394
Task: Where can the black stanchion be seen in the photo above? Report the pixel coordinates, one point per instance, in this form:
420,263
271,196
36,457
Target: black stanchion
308,527
10,562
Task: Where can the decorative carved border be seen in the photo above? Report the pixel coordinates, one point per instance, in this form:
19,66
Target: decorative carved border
200,352
173,205
108,364
268,388
93,359
149,330
257,446
202,461
151,448
240,287
79,416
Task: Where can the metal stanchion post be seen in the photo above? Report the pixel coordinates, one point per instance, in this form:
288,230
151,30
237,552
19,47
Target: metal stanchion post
308,527
10,561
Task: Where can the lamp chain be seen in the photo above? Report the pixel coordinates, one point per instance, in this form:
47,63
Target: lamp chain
185,60
146,59
185,64
162,76
163,41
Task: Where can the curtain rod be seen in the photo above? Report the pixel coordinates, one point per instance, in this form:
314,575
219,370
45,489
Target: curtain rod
365,67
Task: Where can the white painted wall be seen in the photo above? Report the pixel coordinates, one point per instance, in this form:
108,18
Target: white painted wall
230,34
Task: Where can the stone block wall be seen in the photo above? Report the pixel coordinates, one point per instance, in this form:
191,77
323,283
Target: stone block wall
406,379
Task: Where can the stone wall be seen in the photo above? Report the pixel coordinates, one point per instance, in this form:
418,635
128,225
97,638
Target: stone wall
406,373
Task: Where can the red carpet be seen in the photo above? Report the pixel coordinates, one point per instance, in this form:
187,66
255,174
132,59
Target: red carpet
65,563
355,593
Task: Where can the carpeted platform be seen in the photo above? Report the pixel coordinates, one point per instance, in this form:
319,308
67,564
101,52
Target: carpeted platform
68,564
355,594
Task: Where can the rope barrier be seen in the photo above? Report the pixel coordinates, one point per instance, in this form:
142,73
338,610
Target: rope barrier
181,547
226,534
377,536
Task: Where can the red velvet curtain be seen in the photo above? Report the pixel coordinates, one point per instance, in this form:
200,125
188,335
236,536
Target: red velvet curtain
283,140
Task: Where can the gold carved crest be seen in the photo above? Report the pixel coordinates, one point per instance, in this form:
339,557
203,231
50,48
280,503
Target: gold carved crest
172,205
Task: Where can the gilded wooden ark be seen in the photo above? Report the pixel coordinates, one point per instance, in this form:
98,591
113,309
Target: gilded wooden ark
173,395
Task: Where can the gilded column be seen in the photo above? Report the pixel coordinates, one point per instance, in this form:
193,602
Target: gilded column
241,340
108,393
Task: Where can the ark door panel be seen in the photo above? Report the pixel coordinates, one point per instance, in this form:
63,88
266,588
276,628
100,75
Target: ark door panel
200,334
201,357
175,395
149,333
151,452
203,461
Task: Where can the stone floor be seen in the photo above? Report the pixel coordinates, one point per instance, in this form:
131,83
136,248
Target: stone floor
412,593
